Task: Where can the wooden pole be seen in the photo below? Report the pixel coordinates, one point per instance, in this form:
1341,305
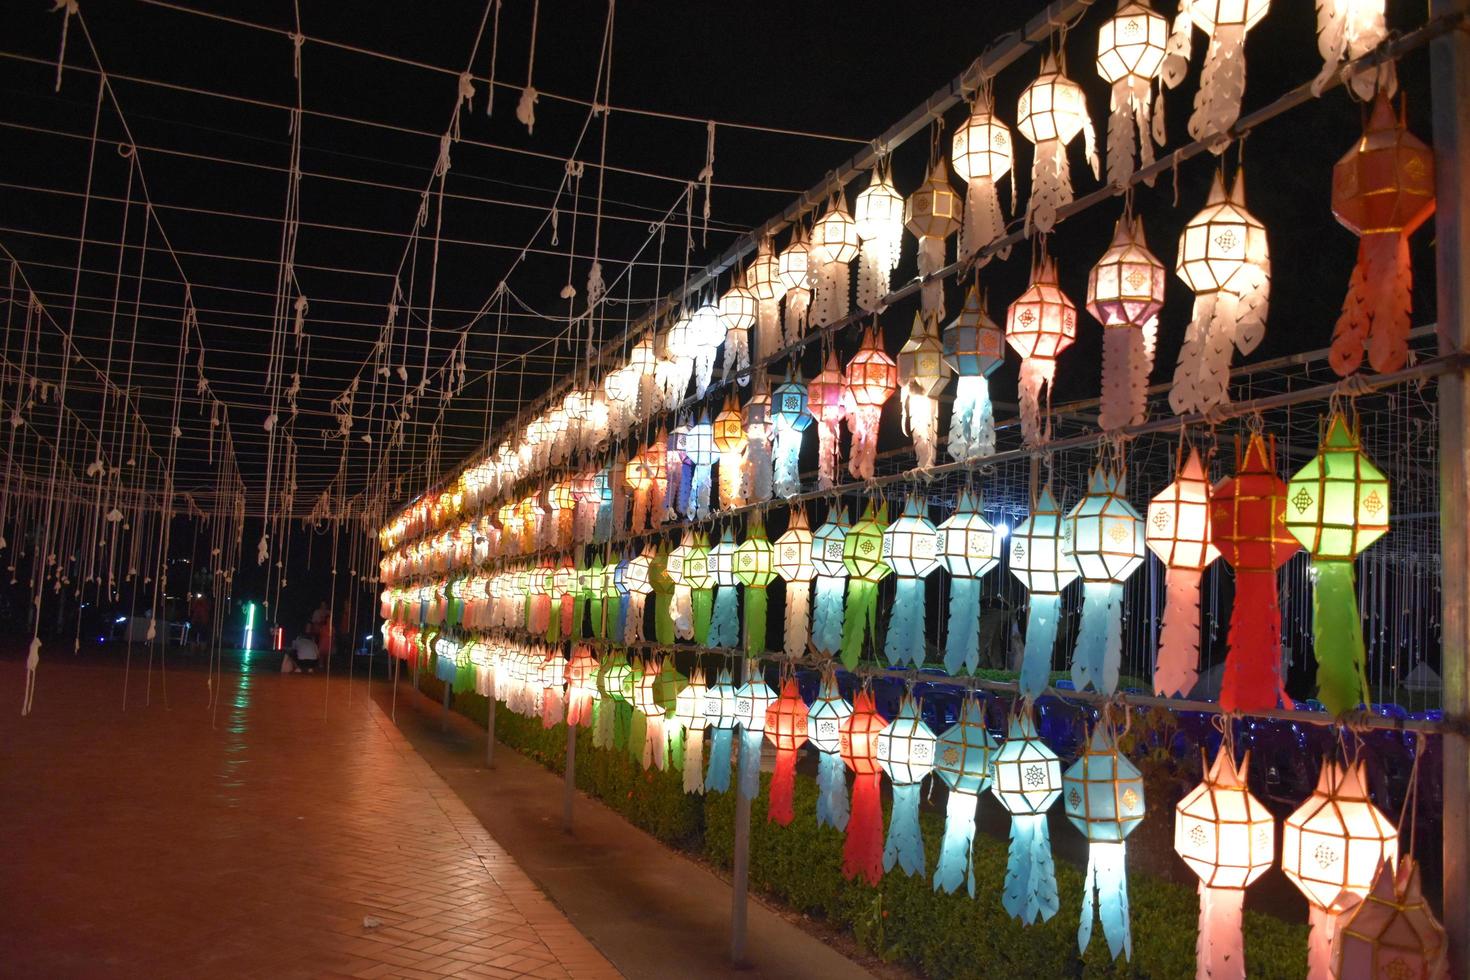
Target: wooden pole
740,880
490,733
569,790
1449,73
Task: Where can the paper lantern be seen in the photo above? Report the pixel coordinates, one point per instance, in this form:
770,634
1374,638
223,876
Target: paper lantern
662,585
1103,796
1223,256
922,375
1130,55
905,751
969,548
974,347
931,214
792,561
1338,505
1125,292
753,701
962,759
754,569
1051,112
981,151
720,711
643,366
762,278
872,378
862,852
1248,526
1331,849
833,246
827,547
1026,777
1391,932
1346,31
636,478
581,686
878,216
1107,545
1228,838
862,557
790,418
728,433
756,414
1177,530
645,702
824,730
786,728
910,549
827,407
1222,80
1041,558
699,451
1040,324
793,273
707,333
738,314
698,574
1382,191
689,713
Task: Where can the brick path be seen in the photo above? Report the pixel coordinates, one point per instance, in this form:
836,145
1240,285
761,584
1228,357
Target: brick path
150,843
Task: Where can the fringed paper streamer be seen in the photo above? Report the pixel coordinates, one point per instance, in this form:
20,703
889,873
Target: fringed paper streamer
602,723
862,852
1176,669
1221,81
932,214
1042,561
707,333
1346,31
689,710
1042,615
905,750
1040,324
862,555
763,279
794,277
752,703
1392,925
793,563
824,730
1125,292
663,597
1130,55
1027,778
825,403
786,727
871,379
724,630
955,857
1382,190
1248,527
1106,536
703,602
834,245
922,375
981,152
1103,795
968,547
1178,532
597,602
750,763
1051,112
797,627
962,639
878,215
963,762
681,603
827,623
832,807
678,473
910,547
645,702
738,313
754,561
755,620
554,621
757,417
581,689
972,423
699,450
719,711
790,418
637,479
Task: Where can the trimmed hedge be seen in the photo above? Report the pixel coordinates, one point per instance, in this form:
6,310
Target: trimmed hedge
902,920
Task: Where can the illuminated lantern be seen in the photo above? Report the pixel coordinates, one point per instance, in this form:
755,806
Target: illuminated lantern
643,366
789,419
719,711
596,579
825,403
1130,55
754,559
707,333
793,274
1248,525
667,687
689,713
729,440
862,852
656,468
1228,838
724,631
1331,848
834,245
793,563
1041,558
981,152
756,414
910,549
931,214
1225,259
905,750
1392,931
969,548
645,702
1040,324
563,508
922,375
699,576
974,347
1336,506
1103,796
699,450
1382,190
679,470
1107,545
1222,81
827,546
763,279
1125,292
581,686
737,313
1177,530
753,701
538,619
824,730
862,555
1026,777
637,579
637,478
786,727
872,378
603,528
962,759
663,594
1051,112
620,389
1346,31
878,215
563,587
681,604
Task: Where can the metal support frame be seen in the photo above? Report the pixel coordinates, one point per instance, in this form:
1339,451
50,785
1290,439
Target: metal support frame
1449,72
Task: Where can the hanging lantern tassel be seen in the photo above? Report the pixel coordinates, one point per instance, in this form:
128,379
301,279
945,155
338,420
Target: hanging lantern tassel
824,730
793,563
1103,795
700,578
1346,31
663,597
862,852
963,762
1027,779
689,710
972,424
795,271
1040,559
862,554
967,545
641,484
1221,83
719,710
602,527
905,750
786,727
798,618
724,630
752,704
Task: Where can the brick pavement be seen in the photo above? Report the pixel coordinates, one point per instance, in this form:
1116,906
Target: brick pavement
150,842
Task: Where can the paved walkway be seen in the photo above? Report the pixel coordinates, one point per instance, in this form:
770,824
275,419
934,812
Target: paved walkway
257,840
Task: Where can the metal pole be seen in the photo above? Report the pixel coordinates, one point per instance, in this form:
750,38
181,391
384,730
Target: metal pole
490,734
444,714
740,879
1449,73
569,791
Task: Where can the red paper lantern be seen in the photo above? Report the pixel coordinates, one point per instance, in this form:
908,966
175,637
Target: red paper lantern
862,853
786,727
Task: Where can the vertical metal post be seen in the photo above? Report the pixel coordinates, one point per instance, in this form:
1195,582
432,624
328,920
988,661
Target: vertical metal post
444,713
739,880
569,791
1449,73
490,733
